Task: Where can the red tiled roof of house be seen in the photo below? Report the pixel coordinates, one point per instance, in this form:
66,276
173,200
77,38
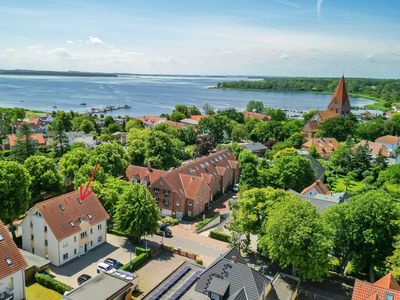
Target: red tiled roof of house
152,120
326,115
319,186
59,211
175,124
254,115
12,138
322,145
143,172
198,117
364,290
8,250
388,139
311,126
376,148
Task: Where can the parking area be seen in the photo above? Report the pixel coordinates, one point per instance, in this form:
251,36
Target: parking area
116,247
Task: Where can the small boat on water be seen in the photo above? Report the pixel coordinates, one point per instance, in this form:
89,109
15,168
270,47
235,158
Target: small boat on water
55,106
83,104
102,109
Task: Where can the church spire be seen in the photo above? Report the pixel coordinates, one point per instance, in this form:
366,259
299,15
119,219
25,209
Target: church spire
340,103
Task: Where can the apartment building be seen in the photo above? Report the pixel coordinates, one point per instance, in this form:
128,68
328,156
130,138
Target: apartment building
188,189
64,227
12,268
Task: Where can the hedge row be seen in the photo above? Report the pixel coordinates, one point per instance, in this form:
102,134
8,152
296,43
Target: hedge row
140,250
137,262
50,283
170,221
207,220
221,236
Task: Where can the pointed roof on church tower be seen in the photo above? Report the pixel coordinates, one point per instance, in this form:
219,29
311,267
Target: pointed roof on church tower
340,102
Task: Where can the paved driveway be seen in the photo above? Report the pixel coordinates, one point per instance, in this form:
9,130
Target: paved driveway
115,247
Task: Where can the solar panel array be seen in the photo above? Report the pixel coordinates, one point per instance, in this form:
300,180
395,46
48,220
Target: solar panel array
185,286
170,283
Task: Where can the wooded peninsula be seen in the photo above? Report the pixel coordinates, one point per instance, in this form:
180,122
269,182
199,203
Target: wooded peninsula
386,92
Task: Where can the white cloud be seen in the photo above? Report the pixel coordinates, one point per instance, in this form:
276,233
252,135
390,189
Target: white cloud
10,50
370,58
60,52
284,56
319,5
22,38
94,40
70,42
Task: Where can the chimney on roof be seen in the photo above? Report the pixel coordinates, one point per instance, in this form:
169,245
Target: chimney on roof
234,258
149,168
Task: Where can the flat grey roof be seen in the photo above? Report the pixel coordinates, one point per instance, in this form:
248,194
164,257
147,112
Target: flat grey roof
102,286
190,121
218,286
34,260
254,146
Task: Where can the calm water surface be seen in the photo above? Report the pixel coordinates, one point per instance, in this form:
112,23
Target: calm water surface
145,94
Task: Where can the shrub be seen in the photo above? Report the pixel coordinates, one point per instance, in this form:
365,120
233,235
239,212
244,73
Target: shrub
199,261
221,236
189,218
207,220
51,283
140,250
170,221
137,262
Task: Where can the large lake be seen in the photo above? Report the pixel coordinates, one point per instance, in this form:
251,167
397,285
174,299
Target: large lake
145,94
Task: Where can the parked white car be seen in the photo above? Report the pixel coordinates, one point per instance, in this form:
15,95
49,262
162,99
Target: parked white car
106,268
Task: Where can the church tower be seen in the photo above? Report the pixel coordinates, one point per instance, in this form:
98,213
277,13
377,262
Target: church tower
340,103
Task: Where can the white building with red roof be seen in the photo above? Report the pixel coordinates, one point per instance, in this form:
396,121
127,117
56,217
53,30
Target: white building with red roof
12,267
64,227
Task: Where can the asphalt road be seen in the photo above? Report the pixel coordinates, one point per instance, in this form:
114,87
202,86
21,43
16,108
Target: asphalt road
209,249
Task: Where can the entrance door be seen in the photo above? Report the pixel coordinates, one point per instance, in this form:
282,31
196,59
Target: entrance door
81,250
85,248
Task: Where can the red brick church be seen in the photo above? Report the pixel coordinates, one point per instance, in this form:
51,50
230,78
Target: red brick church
339,106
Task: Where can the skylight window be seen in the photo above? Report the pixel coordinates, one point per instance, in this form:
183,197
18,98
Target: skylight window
79,200
61,206
72,224
8,261
1,238
90,216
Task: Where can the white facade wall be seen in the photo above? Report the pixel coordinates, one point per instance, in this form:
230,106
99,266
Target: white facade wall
14,284
60,252
310,193
391,147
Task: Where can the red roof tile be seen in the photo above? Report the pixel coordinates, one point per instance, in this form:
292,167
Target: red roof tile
8,250
364,290
12,138
254,115
319,186
152,120
59,220
376,148
322,145
388,139
324,115
198,117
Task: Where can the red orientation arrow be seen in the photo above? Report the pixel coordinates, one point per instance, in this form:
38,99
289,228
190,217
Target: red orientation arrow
87,192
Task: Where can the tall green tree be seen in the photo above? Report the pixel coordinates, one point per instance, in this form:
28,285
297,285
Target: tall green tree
14,195
136,145
72,161
296,236
25,146
373,225
45,177
161,152
339,128
136,212
62,123
214,126
204,145
111,157
255,106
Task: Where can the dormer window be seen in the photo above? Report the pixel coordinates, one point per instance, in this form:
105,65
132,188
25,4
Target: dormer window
90,216
1,238
79,200
61,206
72,224
389,296
8,261
133,180
80,220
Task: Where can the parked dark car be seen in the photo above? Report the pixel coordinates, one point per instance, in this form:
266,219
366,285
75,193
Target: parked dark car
113,262
164,230
83,278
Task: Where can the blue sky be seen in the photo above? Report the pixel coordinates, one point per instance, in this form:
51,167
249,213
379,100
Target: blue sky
264,37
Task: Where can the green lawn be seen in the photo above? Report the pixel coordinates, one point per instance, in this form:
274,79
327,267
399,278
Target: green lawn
355,186
37,292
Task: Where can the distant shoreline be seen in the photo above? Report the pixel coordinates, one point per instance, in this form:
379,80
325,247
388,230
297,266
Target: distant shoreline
56,73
